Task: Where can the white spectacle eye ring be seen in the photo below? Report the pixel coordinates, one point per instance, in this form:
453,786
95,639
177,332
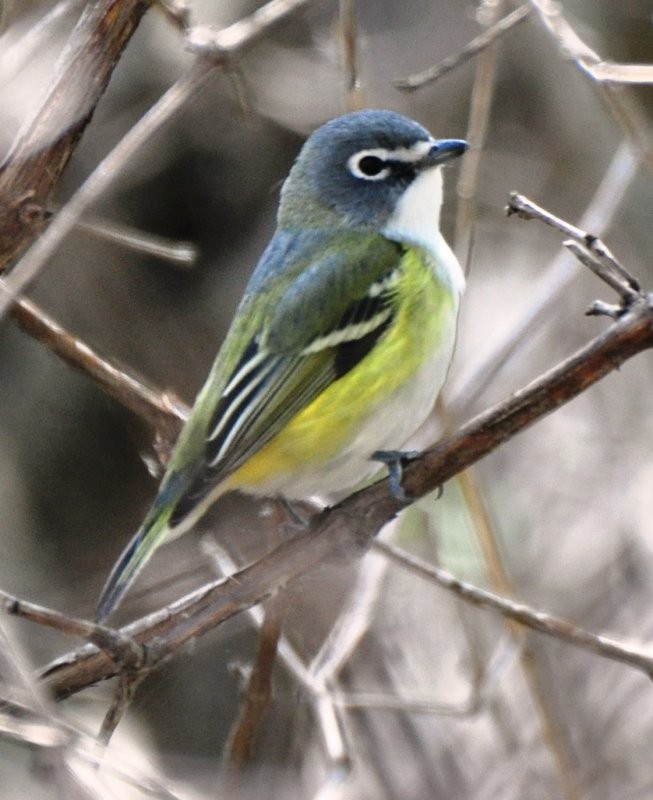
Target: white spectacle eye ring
369,165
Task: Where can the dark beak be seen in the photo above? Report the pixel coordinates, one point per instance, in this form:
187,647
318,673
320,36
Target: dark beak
444,150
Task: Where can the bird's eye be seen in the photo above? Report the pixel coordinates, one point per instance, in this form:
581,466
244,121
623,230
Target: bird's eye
368,166
371,165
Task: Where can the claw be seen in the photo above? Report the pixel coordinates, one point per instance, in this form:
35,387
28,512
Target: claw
395,460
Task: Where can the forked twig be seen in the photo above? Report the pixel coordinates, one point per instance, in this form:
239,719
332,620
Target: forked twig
595,254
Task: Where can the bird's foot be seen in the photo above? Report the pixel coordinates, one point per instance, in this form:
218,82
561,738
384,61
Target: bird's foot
395,461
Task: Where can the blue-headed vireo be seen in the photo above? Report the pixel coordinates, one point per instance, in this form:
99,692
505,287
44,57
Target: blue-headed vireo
342,339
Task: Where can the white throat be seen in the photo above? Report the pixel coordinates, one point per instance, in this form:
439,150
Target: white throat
416,221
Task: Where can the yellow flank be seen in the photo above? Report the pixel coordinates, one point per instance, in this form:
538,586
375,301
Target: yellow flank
318,433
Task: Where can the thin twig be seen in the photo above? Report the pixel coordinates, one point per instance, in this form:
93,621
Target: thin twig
178,12
163,411
600,260
462,393
24,725
46,141
20,52
181,254
315,690
212,49
258,692
479,43
353,622
574,48
221,46
540,621
122,648
128,683
477,127
633,121
34,260
349,53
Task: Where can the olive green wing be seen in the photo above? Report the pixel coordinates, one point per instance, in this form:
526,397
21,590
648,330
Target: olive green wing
326,319
314,308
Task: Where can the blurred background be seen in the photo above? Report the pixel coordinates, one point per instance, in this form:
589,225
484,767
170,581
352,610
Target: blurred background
568,503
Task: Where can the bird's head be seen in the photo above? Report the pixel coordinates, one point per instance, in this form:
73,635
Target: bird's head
355,170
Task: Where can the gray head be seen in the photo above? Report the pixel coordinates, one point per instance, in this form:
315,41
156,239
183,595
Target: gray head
354,169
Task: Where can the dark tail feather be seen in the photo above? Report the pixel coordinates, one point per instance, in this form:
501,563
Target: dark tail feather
130,563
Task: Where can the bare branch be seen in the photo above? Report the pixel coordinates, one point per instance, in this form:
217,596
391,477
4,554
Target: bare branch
554,281
25,200
221,46
164,412
177,11
479,43
128,683
477,127
598,258
42,149
310,680
14,57
575,49
562,629
349,527
610,72
257,696
627,113
33,261
120,647
179,253
349,54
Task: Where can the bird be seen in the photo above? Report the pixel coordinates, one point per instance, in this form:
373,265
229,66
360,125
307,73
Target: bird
340,344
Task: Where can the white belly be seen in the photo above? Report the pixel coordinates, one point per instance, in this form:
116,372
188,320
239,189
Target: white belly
387,427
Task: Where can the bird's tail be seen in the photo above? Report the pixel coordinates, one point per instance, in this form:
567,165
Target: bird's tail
132,560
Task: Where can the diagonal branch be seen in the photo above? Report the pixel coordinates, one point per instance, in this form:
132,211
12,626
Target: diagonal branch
518,612
479,43
164,412
348,528
32,169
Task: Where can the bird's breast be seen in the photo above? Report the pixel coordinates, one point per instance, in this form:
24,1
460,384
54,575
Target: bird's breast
378,405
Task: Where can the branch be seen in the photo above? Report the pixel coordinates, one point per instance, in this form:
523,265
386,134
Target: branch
258,693
519,612
591,251
23,205
479,43
164,412
346,530
575,49
42,149
606,76
554,281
